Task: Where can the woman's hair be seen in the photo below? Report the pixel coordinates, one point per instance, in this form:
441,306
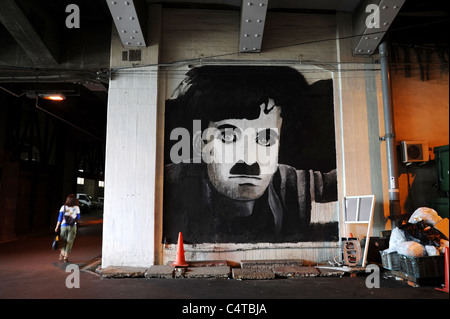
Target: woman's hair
71,200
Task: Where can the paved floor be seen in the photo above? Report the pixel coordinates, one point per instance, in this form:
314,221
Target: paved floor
29,269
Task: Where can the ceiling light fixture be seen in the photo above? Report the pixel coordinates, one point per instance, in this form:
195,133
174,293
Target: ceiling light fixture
52,96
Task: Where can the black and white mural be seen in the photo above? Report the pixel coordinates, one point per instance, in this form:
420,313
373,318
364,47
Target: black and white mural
248,151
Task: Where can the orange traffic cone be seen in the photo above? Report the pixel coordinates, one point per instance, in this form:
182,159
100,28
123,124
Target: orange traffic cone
179,260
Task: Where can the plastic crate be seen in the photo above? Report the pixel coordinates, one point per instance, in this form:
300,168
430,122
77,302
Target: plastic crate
423,267
390,260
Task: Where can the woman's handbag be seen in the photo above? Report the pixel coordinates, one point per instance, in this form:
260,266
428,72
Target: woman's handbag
55,242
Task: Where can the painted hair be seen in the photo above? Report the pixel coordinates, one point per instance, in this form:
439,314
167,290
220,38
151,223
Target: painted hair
214,93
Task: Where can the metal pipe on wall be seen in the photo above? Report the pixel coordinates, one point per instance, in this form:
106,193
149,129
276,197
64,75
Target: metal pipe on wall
389,138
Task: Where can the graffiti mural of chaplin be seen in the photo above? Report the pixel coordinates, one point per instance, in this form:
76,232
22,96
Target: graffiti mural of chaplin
249,180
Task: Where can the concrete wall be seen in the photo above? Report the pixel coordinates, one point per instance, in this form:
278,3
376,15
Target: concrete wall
133,177
421,111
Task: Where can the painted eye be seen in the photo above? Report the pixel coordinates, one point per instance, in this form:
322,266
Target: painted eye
228,136
263,141
266,138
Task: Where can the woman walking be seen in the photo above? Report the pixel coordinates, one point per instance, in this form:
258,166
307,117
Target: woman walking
67,219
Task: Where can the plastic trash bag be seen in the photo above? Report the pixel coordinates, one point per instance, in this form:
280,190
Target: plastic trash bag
425,214
411,248
397,237
444,243
432,251
422,233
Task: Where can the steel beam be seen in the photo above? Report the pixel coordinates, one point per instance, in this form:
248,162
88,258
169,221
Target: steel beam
253,18
19,26
372,19
130,19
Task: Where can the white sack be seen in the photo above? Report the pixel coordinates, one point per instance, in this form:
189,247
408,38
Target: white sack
411,248
428,215
397,237
431,250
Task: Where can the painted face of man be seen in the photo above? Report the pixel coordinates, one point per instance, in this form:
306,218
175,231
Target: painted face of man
242,155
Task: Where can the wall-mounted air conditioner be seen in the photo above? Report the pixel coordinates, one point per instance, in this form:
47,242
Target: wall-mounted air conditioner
414,151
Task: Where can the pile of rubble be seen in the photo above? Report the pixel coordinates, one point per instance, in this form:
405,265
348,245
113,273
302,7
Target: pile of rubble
246,270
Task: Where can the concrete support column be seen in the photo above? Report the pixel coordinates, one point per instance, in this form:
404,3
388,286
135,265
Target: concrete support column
129,207
357,128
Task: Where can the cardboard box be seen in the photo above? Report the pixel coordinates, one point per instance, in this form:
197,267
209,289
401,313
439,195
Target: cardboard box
442,226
